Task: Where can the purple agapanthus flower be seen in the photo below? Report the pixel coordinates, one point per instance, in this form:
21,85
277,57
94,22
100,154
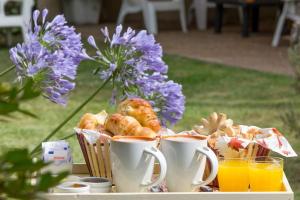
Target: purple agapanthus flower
134,63
169,94
49,56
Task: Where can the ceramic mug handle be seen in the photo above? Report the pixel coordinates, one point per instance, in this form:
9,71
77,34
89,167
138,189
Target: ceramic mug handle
214,165
163,166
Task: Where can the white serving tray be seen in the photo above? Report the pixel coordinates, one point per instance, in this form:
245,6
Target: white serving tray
81,170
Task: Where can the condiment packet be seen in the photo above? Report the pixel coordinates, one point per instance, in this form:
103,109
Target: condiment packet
59,154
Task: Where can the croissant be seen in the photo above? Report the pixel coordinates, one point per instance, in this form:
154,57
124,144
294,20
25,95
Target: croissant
141,110
92,121
126,125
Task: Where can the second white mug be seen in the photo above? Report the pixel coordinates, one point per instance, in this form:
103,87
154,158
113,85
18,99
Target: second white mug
186,160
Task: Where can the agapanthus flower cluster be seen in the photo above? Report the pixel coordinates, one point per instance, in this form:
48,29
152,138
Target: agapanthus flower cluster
49,56
133,62
168,100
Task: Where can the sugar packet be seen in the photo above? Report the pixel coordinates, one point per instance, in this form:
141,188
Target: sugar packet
59,154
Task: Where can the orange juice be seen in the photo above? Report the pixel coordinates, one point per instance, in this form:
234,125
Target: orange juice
233,175
265,176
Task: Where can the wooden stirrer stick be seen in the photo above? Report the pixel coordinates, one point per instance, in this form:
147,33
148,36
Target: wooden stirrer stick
94,160
80,138
89,157
107,159
100,158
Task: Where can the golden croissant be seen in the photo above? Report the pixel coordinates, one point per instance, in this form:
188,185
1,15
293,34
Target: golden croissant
141,110
126,125
92,121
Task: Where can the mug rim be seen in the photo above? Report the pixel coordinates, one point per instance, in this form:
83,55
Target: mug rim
117,138
196,137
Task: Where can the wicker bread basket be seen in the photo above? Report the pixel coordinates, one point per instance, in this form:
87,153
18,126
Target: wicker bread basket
96,156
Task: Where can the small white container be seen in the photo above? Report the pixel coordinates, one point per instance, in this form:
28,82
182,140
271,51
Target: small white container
70,187
97,184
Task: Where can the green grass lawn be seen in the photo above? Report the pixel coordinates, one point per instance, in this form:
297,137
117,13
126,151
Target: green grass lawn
248,97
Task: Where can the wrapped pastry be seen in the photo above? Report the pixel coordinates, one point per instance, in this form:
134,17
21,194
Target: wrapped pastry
92,121
127,125
216,122
142,111
241,141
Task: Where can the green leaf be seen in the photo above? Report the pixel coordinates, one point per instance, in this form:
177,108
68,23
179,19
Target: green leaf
6,107
5,87
11,97
26,112
13,94
19,159
47,180
29,92
17,169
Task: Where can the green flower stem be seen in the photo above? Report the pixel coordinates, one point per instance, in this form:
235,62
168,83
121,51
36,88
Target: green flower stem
37,148
7,70
68,136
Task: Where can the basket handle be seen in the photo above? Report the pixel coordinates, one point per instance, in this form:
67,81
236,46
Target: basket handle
214,166
153,151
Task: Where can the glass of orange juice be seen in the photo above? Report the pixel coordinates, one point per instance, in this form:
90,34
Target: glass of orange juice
266,174
233,175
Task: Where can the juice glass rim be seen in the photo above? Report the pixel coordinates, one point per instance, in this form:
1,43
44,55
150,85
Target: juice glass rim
230,158
267,159
272,159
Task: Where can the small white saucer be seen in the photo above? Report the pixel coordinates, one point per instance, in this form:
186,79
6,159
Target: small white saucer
73,187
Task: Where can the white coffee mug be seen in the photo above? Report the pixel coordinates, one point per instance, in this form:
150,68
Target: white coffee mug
132,161
186,160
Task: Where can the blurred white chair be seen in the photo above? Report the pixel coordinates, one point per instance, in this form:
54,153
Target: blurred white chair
291,11
149,9
22,20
